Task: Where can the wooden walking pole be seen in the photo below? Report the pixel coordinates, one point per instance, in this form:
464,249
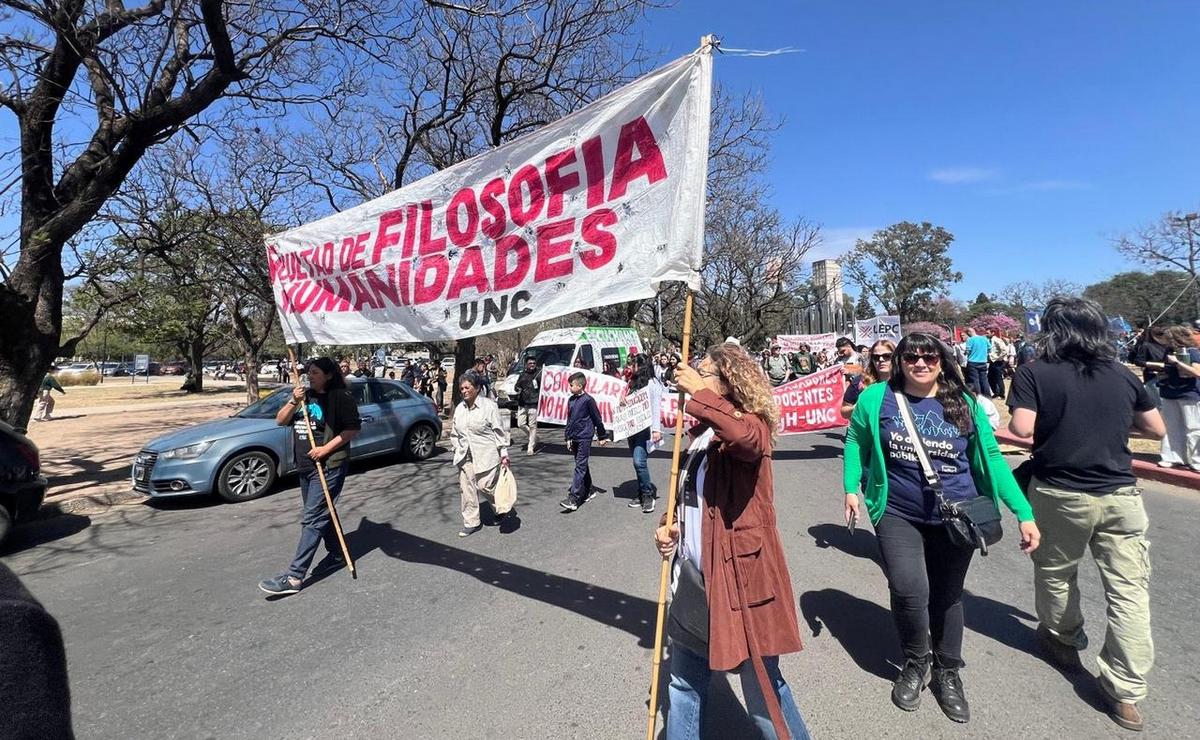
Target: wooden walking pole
333,515
664,577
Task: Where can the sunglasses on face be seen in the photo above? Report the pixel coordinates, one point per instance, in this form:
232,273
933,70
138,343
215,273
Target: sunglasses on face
882,357
911,358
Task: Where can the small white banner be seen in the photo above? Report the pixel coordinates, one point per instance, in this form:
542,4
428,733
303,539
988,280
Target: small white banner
633,416
872,330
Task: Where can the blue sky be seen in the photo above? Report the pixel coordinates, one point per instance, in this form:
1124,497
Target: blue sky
1033,131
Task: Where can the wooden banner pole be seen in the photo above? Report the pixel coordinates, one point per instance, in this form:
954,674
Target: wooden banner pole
665,574
333,515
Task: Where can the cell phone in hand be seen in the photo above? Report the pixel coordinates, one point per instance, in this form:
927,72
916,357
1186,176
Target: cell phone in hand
853,522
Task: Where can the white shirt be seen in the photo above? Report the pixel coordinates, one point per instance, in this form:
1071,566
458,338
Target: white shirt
693,516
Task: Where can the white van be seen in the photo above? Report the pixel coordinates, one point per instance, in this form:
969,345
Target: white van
591,346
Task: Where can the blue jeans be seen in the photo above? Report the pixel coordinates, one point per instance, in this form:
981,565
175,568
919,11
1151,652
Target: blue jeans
688,691
581,484
316,524
977,378
637,446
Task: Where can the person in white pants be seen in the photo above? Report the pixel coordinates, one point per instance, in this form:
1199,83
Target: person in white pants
1180,394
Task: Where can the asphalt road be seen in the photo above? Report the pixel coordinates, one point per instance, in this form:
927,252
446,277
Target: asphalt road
541,632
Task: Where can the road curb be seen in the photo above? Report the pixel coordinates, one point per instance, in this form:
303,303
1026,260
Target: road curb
90,503
1143,469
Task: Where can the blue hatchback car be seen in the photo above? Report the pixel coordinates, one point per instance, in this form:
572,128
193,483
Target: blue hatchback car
240,458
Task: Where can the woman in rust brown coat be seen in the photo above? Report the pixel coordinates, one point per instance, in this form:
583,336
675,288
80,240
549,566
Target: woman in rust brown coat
730,558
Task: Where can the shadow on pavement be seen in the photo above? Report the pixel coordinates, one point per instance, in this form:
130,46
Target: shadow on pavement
41,531
613,608
816,452
861,544
863,628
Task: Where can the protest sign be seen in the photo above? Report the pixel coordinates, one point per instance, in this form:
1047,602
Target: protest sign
633,416
595,209
872,330
815,342
1033,322
556,393
811,403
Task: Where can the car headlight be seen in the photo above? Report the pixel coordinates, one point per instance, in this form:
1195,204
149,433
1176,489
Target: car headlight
187,453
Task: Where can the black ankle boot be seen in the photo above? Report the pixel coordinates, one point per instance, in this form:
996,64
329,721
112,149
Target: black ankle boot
906,691
947,688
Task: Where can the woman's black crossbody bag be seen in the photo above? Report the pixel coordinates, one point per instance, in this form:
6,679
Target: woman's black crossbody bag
971,524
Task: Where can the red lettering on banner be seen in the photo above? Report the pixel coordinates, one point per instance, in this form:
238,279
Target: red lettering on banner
502,277
470,273
384,289
636,135
595,235
410,229
554,258
527,178
384,238
429,245
593,165
494,227
462,235
557,182
428,292
362,296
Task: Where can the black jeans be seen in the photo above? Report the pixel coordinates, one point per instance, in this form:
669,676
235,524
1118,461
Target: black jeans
925,574
996,377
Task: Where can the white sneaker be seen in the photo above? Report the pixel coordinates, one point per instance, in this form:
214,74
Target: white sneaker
1165,464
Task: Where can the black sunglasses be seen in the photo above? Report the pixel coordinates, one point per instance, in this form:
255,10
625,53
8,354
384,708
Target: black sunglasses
882,357
911,358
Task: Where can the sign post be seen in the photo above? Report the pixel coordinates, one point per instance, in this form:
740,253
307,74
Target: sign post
140,363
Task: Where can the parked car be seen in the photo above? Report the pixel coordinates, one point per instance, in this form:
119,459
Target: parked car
80,367
174,368
240,458
22,485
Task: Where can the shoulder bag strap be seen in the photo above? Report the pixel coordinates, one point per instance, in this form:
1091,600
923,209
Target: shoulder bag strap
918,443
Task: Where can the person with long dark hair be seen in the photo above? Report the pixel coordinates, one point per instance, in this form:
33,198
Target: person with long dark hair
880,361
333,422
641,443
733,608
1078,404
925,568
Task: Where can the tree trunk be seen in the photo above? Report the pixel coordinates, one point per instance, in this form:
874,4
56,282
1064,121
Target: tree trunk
31,307
251,378
196,360
23,364
464,358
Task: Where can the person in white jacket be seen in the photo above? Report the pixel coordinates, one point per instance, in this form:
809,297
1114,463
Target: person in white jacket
480,442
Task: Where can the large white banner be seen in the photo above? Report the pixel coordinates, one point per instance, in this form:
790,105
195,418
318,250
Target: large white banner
872,330
595,209
554,399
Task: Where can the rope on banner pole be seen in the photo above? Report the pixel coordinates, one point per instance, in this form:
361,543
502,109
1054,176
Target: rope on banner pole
664,575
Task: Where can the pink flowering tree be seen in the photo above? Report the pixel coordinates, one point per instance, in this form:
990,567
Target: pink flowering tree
927,327
1006,325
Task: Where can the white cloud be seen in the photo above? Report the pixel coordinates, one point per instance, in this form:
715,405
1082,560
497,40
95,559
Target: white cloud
961,175
837,242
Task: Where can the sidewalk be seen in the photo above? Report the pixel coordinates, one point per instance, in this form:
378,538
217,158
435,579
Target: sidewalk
1142,468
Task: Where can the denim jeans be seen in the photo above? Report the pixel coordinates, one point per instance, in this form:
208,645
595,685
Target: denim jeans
641,466
581,484
688,692
316,524
977,378
925,573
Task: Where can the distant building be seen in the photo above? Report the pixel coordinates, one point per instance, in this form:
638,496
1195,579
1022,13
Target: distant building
829,313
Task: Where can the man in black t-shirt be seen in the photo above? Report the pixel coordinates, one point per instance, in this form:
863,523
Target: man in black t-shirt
333,422
1078,404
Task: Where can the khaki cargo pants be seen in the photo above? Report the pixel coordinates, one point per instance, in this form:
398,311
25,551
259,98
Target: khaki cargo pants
1113,526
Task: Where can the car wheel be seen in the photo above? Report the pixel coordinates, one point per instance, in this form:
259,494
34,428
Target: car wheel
421,441
6,522
246,476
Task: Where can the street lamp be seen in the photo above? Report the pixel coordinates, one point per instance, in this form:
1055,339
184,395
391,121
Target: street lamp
1186,222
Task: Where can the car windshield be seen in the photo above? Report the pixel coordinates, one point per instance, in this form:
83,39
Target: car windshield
549,354
266,408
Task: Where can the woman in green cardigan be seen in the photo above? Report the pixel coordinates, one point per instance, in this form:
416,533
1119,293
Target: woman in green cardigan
925,570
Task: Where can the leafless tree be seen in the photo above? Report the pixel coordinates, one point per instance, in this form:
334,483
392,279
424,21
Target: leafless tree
1027,295
93,86
1172,243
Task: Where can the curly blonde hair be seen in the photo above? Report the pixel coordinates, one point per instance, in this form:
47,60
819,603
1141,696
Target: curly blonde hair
747,384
